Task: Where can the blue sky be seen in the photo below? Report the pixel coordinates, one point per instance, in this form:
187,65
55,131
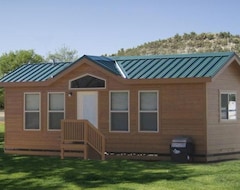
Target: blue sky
96,27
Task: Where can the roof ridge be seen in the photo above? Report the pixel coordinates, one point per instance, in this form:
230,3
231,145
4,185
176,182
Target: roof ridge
172,55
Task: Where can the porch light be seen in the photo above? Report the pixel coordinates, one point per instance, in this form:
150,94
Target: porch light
70,94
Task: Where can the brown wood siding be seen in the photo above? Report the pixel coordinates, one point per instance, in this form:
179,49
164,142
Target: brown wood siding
18,138
181,112
15,135
223,137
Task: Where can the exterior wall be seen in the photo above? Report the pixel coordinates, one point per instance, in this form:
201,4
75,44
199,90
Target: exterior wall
184,113
223,140
15,135
43,141
181,112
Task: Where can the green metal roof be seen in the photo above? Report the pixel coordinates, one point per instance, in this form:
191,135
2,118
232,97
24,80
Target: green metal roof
38,72
173,66
105,62
132,67
35,72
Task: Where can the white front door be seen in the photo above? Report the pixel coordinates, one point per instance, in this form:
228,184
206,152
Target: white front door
87,106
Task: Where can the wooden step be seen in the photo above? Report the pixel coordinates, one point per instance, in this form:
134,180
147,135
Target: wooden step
74,154
73,150
80,147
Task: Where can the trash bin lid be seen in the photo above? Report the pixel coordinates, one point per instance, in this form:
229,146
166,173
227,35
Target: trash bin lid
178,144
182,139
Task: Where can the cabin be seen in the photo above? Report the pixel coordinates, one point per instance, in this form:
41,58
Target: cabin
127,107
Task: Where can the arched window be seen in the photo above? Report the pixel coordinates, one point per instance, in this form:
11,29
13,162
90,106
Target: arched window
87,81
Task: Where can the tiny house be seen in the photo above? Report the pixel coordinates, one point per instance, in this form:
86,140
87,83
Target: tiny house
128,107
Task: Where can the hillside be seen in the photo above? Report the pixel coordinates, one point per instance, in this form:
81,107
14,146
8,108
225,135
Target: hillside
187,43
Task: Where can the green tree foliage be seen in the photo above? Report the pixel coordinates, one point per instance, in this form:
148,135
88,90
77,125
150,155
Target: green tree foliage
63,54
12,60
187,43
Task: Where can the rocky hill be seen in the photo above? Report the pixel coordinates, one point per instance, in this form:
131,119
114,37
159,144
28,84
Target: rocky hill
187,43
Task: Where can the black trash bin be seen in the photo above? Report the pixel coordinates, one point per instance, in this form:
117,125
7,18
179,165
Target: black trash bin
182,149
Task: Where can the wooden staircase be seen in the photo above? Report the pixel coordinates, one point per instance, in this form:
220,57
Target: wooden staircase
77,136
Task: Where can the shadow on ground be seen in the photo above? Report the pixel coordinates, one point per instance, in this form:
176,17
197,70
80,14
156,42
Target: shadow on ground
36,172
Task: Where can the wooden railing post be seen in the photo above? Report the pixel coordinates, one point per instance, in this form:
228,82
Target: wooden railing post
62,139
85,140
103,149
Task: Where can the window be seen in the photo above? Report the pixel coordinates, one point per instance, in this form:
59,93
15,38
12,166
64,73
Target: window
228,106
148,111
87,81
32,111
119,110
56,110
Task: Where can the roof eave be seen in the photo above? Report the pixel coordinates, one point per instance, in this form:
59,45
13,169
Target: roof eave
167,80
22,84
120,79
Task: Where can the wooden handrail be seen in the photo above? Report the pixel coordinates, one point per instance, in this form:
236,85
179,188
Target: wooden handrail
83,131
96,139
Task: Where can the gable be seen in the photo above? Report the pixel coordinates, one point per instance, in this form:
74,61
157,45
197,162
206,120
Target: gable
104,62
228,77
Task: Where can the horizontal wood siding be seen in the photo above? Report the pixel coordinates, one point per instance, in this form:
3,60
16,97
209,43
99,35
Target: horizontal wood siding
181,112
223,137
17,139
15,135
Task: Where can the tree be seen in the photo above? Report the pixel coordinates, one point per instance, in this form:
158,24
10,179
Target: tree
63,54
121,52
177,37
12,60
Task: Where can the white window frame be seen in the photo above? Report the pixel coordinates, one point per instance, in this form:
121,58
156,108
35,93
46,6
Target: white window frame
228,92
119,111
29,111
148,111
87,74
55,111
